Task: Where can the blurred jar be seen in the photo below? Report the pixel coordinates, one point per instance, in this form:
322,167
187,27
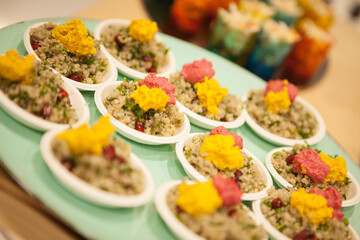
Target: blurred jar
308,54
318,11
273,44
287,11
234,33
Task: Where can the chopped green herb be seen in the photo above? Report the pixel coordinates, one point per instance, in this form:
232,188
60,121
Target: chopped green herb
89,60
346,221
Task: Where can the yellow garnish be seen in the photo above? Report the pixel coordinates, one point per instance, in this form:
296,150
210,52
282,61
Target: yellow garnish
337,165
210,94
220,151
16,69
142,30
276,102
83,140
150,98
303,170
311,206
199,198
74,36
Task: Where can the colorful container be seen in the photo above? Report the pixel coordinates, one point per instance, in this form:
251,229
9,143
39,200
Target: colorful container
287,11
273,44
308,54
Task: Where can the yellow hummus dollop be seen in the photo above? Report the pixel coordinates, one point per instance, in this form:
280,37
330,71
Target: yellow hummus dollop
15,68
199,198
150,98
142,30
276,102
337,165
74,36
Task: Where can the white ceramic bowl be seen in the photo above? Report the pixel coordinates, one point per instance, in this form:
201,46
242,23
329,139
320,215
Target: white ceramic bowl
105,91
194,174
88,192
354,190
110,76
263,133
77,101
207,123
177,227
170,67
276,234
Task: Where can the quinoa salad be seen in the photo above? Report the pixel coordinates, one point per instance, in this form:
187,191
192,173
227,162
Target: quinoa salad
43,96
282,161
143,56
121,106
109,169
224,223
294,123
84,68
248,177
287,219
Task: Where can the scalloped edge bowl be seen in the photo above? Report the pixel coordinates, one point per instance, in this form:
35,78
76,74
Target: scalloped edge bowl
129,72
265,134
21,115
207,123
88,192
273,231
194,174
129,132
178,228
354,190
110,76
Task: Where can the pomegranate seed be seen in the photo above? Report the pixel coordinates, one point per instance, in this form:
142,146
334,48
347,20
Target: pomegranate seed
120,159
303,235
223,119
69,164
276,203
290,158
152,69
118,42
139,126
35,45
109,152
237,176
75,77
46,111
147,58
232,213
63,93
178,209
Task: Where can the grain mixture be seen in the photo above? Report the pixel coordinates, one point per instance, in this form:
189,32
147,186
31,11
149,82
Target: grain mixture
111,172
288,220
231,223
278,160
249,178
229,108
44,97
141,56
158,123
89,68
294,123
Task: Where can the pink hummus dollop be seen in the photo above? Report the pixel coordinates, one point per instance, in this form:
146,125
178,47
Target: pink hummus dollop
153,81
278,85
197,71
223,131
333,198
228,190
309,162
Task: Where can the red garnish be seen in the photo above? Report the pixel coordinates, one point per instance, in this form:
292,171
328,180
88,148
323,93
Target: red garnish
46,111
35,45
276,203
147,58
118,42
232,213
290,158
152,69
68,164
109,152
75,77
304,235
139,126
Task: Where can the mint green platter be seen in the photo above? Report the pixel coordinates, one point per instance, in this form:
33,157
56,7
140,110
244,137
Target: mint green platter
20,153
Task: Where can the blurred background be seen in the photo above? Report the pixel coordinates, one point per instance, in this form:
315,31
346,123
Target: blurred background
313,43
